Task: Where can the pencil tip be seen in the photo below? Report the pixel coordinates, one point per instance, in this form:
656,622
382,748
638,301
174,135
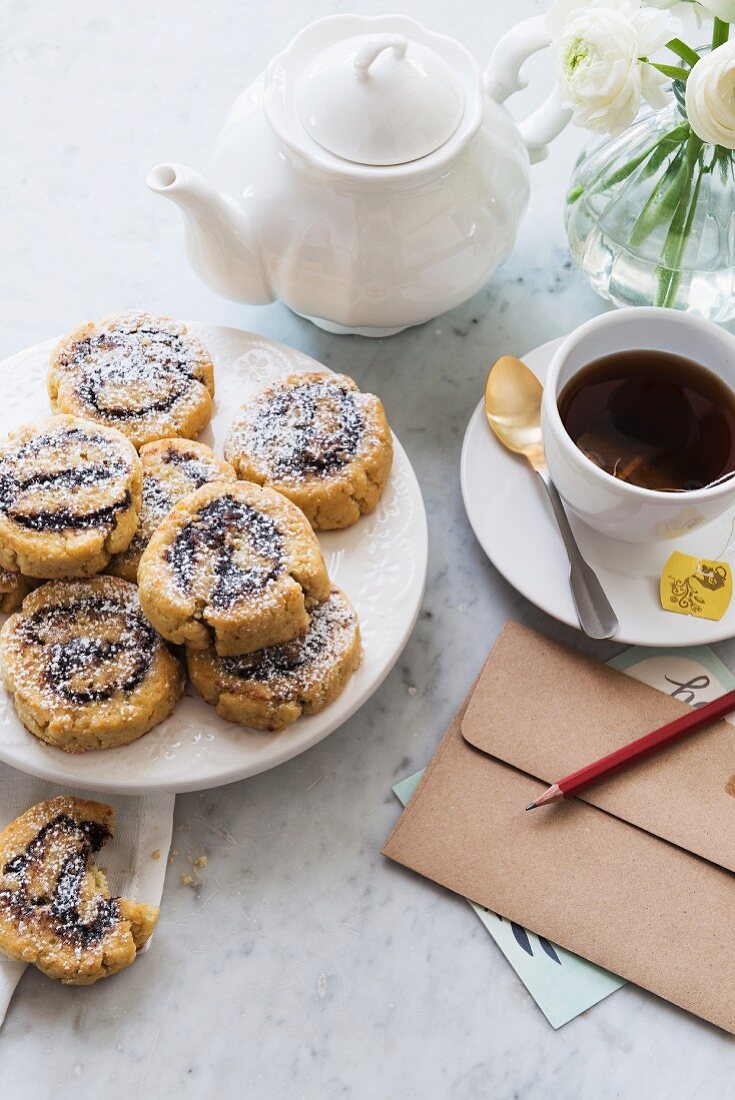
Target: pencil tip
531,806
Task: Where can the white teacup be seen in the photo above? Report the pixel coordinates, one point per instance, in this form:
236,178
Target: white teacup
617,508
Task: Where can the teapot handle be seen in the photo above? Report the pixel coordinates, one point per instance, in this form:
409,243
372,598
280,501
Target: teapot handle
503,78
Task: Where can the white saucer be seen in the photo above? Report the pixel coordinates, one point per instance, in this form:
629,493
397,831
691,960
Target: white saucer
380,563
512,519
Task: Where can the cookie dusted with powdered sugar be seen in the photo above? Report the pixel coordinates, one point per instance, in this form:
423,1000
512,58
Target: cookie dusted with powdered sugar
85,667
14,588
234,566
273,687
70,493
145,375
171,469
318,440
55,906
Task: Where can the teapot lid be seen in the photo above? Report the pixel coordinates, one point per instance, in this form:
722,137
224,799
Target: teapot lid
363,96
379,99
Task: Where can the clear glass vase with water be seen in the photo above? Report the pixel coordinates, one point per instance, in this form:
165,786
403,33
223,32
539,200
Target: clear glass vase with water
650,216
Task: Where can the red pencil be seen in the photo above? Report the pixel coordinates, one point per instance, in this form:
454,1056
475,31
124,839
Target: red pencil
636,750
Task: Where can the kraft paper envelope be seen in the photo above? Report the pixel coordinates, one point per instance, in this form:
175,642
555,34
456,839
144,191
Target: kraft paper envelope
566,710
625,896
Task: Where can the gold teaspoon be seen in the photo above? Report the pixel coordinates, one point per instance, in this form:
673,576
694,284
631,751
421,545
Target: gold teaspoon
513,409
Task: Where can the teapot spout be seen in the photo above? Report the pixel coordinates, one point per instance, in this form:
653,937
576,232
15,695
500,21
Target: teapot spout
220,241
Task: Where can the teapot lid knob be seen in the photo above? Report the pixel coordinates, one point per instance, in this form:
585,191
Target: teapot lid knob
379,99
373,47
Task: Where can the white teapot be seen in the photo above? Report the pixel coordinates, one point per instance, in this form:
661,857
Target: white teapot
370,178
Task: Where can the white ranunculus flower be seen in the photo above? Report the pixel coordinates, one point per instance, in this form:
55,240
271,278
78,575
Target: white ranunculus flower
684,8
723,9
600,44
710,97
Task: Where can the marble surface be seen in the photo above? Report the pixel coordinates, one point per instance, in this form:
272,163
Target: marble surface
301,964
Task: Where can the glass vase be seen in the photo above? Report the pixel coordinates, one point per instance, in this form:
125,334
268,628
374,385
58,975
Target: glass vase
650,216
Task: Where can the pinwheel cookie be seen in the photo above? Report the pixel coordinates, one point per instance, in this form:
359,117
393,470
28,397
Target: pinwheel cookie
171,469
55,906
70,492
236,566
14,587
85,667
318,440
142,374
275,686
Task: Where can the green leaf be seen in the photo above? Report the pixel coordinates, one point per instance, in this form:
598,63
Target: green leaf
676,72
686,53
574,194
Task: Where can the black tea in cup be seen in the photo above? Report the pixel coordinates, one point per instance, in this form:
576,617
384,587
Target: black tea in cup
653,419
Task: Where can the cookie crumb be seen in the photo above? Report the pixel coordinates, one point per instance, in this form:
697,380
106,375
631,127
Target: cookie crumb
156,854
200,861
188,880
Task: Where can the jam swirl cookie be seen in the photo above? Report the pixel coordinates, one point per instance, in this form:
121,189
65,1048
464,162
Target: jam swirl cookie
55,906
85,667
14,588
275,686
318,440
142,374
236,566
171,469
70,492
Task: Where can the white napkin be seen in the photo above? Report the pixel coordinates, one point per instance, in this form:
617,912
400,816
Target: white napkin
135,857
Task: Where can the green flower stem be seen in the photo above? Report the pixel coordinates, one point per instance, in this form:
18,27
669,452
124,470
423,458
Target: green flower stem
659,148
722,161
653,155
666,145
662,201
720,33
669,273
686,53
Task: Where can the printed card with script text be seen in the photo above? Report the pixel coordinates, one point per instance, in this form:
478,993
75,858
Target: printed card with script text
562,984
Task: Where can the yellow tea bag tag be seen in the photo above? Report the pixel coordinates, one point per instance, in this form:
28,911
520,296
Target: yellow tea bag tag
693,586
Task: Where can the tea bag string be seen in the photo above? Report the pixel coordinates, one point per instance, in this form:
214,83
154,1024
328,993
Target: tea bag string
711,484
632,466
730,543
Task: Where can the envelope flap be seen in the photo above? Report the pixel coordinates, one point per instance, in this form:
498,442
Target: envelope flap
548,711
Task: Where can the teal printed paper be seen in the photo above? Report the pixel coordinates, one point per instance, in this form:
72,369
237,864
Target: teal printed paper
695,675
564,985
561,984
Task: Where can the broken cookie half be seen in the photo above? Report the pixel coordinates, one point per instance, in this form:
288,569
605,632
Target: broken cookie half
55,906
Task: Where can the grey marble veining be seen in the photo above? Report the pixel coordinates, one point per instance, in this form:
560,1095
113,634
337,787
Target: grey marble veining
301,964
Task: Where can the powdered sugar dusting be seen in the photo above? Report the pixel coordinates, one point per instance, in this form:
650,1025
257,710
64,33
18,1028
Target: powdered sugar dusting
79,643
228,552
134,366
171,470
308,426
44,887
293,668
64,477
